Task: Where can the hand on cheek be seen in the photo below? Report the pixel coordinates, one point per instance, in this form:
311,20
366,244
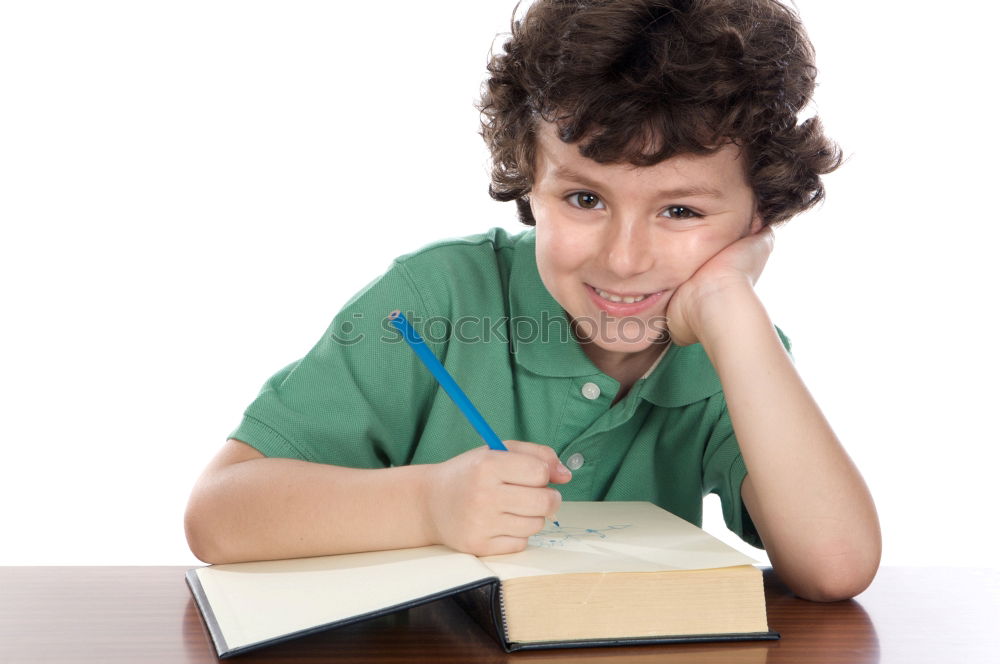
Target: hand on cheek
731,272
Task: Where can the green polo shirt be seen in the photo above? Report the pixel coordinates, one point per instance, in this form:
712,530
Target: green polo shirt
361,397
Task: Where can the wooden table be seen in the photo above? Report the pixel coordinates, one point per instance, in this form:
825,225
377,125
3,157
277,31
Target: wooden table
145,614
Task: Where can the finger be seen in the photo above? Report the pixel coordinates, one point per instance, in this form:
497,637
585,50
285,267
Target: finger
558,473
519,526
529,502
765,245
521,469
503,544
765,240
543,452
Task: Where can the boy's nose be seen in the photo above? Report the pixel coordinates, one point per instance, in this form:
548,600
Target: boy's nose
628,249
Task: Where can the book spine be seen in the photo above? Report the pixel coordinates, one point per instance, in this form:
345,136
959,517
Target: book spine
483,606
503,612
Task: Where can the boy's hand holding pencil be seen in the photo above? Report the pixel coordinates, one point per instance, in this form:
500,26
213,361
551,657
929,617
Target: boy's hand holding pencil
488,502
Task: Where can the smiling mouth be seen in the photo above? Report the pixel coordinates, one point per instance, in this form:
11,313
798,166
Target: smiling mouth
624,299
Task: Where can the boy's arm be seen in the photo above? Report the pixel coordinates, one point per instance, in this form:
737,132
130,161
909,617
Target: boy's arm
246,506
810,504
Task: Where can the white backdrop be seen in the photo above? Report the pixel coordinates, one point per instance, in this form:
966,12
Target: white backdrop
190,190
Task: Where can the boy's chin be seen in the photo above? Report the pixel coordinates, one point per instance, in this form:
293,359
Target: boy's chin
625,348
619,337
648,342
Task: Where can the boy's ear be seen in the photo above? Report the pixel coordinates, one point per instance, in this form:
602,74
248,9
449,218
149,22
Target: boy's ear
756,224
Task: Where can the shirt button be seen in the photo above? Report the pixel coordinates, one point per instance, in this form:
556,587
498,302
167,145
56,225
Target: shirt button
575,461
591,391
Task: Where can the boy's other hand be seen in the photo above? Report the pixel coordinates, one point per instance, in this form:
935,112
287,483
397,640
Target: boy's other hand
488,502
735,269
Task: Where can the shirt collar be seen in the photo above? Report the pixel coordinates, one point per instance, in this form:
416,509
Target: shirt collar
543,343
682,376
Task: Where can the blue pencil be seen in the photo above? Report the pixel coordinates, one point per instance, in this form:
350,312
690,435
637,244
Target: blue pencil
437,369
399,321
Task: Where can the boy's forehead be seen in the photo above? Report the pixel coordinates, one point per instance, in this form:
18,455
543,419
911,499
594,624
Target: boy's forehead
555,158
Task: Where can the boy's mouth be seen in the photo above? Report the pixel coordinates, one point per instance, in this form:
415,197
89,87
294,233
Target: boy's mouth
627,299
620,305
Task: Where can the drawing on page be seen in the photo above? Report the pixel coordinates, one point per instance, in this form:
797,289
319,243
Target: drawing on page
561,536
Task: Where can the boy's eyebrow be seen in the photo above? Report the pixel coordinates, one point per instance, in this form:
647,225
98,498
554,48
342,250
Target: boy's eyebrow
566,173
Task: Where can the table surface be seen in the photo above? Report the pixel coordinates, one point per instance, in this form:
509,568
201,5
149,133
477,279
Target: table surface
146,614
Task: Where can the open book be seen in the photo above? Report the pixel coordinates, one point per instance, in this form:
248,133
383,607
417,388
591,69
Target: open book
611,573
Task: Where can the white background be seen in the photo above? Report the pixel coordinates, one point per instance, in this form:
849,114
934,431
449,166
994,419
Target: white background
190,190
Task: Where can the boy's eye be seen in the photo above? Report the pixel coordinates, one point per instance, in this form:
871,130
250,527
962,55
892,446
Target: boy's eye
680,212
585,200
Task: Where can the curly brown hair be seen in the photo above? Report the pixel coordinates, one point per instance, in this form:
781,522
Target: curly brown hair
644,80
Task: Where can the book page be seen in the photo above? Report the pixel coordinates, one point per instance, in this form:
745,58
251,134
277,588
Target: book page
616,537
256,602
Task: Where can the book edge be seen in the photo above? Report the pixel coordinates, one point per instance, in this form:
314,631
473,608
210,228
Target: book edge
597,643
513,646
224,651
207,614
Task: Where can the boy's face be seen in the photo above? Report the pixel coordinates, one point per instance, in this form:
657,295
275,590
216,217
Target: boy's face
608,232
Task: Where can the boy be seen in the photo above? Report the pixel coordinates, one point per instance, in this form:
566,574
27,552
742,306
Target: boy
618,346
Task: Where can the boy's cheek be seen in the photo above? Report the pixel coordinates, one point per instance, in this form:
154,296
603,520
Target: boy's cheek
705,248
686,263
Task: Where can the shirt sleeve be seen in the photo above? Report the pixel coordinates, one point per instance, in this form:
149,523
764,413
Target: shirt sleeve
723,470
358,396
